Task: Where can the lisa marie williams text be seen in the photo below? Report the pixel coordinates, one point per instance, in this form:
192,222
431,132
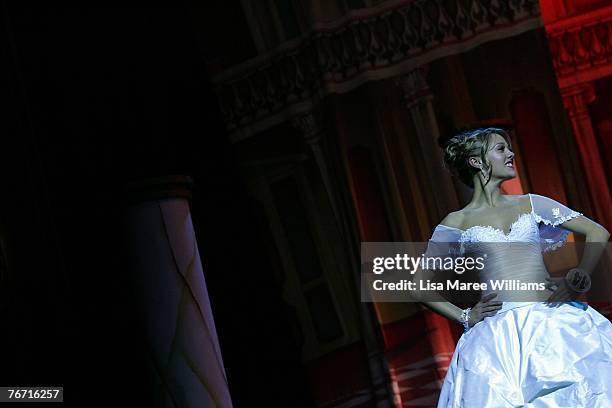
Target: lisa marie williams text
426,285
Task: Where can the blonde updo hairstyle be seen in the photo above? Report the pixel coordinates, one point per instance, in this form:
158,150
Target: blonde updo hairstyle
470,143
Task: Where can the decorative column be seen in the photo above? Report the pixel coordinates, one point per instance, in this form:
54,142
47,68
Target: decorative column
171,297
576,99
311,128
418,99
604,129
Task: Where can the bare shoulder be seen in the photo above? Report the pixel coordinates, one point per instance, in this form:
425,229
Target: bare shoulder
523,202
454,219
520,202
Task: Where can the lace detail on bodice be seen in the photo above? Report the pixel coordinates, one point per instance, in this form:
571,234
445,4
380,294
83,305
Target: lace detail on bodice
513,256
524,229
516,255
542,224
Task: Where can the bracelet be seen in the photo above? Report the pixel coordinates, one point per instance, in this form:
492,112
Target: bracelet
465,319
579,281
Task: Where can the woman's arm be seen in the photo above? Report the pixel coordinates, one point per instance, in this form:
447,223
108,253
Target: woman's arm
439,305
435,301
484,308
446,309
596,239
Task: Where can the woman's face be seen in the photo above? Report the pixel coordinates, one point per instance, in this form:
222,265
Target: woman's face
501,158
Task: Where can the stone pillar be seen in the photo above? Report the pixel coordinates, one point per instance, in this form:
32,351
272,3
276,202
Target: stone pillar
418,99
311,128
576,99
171,297
604,129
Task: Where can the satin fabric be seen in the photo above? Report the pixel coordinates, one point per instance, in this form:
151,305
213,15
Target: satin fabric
530,354
533,355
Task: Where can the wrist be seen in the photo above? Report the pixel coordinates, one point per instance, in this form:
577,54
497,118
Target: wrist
464,319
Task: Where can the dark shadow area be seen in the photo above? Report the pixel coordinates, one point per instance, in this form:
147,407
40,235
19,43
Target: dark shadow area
98,98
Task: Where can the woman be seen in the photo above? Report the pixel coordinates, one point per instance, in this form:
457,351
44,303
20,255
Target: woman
544,353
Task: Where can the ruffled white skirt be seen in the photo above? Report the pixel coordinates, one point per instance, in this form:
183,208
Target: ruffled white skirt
533,355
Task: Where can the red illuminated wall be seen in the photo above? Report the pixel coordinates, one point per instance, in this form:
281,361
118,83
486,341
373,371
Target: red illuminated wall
581,51
538,150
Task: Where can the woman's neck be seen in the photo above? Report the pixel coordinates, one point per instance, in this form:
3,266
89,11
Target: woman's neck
486,195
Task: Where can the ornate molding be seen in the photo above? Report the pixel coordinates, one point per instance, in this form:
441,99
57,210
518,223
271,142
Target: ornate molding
576,99
414,86
309,126
272,88
581,47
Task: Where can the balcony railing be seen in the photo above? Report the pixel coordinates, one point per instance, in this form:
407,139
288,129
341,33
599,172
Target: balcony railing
581,46
373,44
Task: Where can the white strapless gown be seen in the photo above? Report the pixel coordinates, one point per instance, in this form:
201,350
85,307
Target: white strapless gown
530,354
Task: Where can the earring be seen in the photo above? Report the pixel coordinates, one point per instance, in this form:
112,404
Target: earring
485,176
